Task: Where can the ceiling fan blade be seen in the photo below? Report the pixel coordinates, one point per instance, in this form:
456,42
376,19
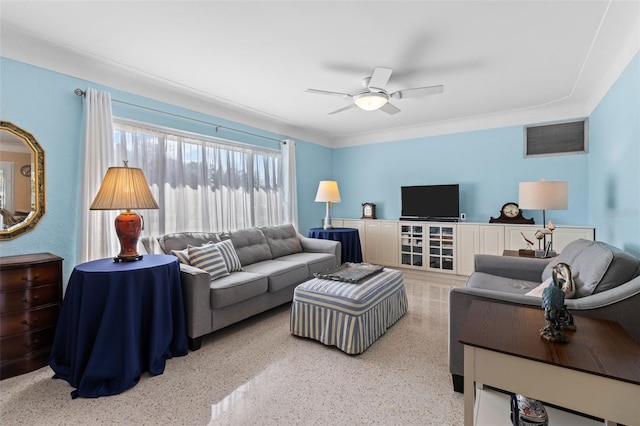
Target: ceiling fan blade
390,108
326,92
380,78
418,91
343,109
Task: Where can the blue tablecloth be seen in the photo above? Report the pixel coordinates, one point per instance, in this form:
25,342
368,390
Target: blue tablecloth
117,321
349,237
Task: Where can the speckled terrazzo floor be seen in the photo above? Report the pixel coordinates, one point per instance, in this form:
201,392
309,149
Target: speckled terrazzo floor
257,373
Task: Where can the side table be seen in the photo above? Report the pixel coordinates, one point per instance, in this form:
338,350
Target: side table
596,373
348,237
117,321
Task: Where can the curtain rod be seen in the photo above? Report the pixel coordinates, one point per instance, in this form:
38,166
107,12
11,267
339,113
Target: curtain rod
80,92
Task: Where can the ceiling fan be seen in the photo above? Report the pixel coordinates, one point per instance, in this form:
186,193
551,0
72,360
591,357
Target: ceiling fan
375,96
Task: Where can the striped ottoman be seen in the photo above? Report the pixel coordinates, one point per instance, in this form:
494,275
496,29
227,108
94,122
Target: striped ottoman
349,316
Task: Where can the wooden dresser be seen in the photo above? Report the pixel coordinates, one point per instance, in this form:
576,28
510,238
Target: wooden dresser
30,300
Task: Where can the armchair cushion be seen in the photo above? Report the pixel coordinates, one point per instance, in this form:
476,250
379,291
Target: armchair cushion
500,284
595,266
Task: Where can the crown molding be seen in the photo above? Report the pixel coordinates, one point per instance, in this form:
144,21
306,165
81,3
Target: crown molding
26,48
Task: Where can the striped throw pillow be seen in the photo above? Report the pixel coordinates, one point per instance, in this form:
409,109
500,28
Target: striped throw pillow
183,255
230,256
209,259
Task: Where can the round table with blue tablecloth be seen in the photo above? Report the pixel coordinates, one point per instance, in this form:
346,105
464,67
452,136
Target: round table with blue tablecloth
348,237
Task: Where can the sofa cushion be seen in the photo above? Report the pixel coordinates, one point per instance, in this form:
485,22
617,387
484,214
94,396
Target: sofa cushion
282,240
280,274
180,240
250,244
229,255
237,287
209,259
316,262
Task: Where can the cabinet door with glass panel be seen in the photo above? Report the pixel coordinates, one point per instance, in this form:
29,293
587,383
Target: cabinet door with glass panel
441,240
412,244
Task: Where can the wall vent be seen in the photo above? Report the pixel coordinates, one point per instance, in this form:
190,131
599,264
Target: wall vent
561,138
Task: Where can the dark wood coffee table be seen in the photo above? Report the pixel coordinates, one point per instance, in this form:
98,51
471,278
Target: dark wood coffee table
596,373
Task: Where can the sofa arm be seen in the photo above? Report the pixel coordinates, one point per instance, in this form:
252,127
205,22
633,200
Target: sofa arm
196,285
316,245
460,299
521,268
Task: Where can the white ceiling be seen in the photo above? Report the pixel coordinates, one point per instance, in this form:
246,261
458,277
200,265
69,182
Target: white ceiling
501,62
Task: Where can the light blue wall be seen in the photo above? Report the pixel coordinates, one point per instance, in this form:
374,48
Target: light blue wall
487,164
614,166
43,103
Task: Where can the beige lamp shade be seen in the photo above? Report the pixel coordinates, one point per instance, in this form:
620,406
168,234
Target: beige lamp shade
544,195
124,188
328,192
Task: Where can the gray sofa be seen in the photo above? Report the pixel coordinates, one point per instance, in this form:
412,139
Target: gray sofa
607,286
274,261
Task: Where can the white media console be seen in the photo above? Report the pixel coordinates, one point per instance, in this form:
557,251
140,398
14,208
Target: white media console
447,247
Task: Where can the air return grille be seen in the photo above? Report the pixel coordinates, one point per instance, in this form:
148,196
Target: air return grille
569,137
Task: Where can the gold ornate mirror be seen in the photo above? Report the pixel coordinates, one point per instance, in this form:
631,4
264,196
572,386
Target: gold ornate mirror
21,181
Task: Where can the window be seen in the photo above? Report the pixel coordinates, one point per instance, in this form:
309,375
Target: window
202,184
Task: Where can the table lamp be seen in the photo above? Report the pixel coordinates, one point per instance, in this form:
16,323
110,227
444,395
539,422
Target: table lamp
125,188
543,195
328,193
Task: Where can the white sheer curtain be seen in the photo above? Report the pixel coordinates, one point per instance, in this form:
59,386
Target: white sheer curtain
202,184
290,188
98,233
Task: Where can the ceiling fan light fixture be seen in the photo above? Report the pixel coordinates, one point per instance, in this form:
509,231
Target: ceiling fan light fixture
371,101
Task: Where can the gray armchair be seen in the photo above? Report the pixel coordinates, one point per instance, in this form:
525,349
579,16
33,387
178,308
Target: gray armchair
607,281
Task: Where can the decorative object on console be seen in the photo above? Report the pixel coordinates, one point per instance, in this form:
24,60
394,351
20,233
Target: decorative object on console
556,315
125,188
547,249
528,252
368,211
511,213
544,195
328,193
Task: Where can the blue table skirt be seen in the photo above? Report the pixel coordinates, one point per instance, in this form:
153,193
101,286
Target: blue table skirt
348,237
117,321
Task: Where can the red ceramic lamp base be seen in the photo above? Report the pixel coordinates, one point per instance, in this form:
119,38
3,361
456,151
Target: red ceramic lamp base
128,226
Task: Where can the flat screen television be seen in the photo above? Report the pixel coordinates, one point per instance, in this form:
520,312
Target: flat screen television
431,202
